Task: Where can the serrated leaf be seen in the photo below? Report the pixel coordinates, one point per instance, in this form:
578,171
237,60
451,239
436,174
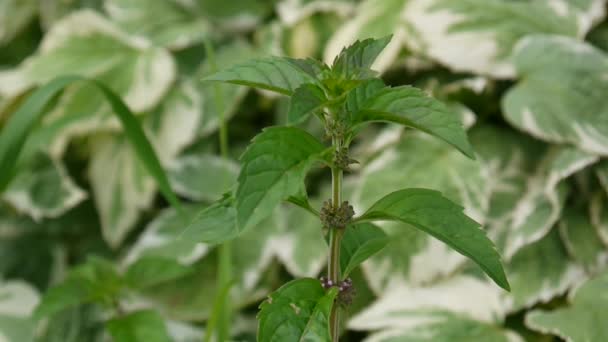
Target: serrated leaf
145,325
359,243
359,56
274,167
281,75
411,107
434,214
583,320
372,18
95,281
150,271
306,100
356,98
559,97
582,241
299,310
43,189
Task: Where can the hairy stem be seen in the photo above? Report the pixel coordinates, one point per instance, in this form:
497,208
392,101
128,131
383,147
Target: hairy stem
335,237
221,315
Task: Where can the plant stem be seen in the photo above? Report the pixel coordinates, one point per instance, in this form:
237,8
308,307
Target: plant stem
335,237
222,305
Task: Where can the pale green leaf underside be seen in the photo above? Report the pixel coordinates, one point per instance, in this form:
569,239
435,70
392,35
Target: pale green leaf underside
584,320
434,214
298,311
274,168
277,74
359,243
412,107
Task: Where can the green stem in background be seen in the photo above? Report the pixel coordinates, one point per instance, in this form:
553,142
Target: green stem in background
221,315
335,237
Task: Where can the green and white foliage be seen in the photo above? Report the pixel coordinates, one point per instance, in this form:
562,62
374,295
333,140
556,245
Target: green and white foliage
44,189
583,319
17,302
551,102
480,35
14,16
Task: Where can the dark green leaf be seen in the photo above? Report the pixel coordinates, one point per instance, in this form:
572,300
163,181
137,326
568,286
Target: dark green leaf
274,169
306,100
434,214
412,107
281,75
355,99
298,311
28,115
360,55
145,325
360,242
150,271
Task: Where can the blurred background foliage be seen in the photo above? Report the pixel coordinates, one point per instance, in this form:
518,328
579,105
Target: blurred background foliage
528,78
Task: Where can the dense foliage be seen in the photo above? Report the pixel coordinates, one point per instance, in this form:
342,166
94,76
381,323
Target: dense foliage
91,251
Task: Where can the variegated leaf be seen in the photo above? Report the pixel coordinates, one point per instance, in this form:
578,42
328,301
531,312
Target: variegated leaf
598,211
479,35
43,189
583,320
203,177
17,302
14,16
559,98
582,241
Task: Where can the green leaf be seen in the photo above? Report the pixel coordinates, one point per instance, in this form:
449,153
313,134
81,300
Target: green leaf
145,325
359,56
551,102
298,311
434,214
19,126
274,168
213,224
356,98
582,241
43,189
14,16
281,75
203,177
360,241
583,320
150,271
17,301
306,100
598,210
168,23
540,272
372,18
411,107
95,281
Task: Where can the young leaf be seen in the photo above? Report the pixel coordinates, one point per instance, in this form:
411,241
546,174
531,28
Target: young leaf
145,325
360,55
274,168
359,243
434,214
214,224
19,126
306,100
298,311
411,107
584,320
281,75
150,271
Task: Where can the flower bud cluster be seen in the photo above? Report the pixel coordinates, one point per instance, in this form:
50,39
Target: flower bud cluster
345,287
336,217
342,160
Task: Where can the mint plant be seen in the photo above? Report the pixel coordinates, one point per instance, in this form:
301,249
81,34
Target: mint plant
345,97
